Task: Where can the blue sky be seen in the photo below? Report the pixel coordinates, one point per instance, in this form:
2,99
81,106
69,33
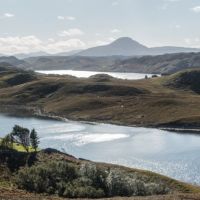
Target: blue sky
64,25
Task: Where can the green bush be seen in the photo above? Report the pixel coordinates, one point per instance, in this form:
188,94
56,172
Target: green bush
60,178
85,181
46,177
72,191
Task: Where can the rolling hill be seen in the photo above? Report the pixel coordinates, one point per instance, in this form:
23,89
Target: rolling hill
149,102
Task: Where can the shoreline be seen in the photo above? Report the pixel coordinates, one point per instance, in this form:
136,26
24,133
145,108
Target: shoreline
54,117
32,111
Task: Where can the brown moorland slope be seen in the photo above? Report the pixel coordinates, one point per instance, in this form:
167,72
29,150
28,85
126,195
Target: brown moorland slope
171,101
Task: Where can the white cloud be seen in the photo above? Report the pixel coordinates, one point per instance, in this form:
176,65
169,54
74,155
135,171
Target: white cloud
175,26
70,18
103,42
64,45
111,39
60,17
51,40
17,44
197,39
192,42
115,31
100,43
71,32
187,41
8,15
27,44
196,9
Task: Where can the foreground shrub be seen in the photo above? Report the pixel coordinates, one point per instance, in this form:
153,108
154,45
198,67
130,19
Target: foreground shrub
73,191
48,177
86,181
60,178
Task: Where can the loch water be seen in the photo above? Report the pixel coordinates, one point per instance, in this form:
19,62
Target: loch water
172,154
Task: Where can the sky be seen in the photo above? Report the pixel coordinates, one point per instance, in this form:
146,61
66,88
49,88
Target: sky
64,25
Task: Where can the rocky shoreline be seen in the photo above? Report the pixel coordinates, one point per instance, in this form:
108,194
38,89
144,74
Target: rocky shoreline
31,111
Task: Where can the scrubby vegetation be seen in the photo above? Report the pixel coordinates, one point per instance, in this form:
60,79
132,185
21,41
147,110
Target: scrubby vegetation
189,79
59,177
21,78
85,180
54,173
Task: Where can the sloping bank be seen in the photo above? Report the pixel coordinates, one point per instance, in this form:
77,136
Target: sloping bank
54,173
168,102
30,111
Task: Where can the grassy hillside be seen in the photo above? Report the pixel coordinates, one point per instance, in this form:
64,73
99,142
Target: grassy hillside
51,173
157,102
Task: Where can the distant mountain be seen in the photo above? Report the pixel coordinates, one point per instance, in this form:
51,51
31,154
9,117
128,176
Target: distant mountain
13,61
171,50
121,47
161,64
35,54
69,53
71,62
168,63
128,47
155,60
42,53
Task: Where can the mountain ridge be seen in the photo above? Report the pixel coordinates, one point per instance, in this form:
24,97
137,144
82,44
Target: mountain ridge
123,46
126,46
159,64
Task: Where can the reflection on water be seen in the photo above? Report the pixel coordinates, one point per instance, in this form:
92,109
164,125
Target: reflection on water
86,74
175,155
85,138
